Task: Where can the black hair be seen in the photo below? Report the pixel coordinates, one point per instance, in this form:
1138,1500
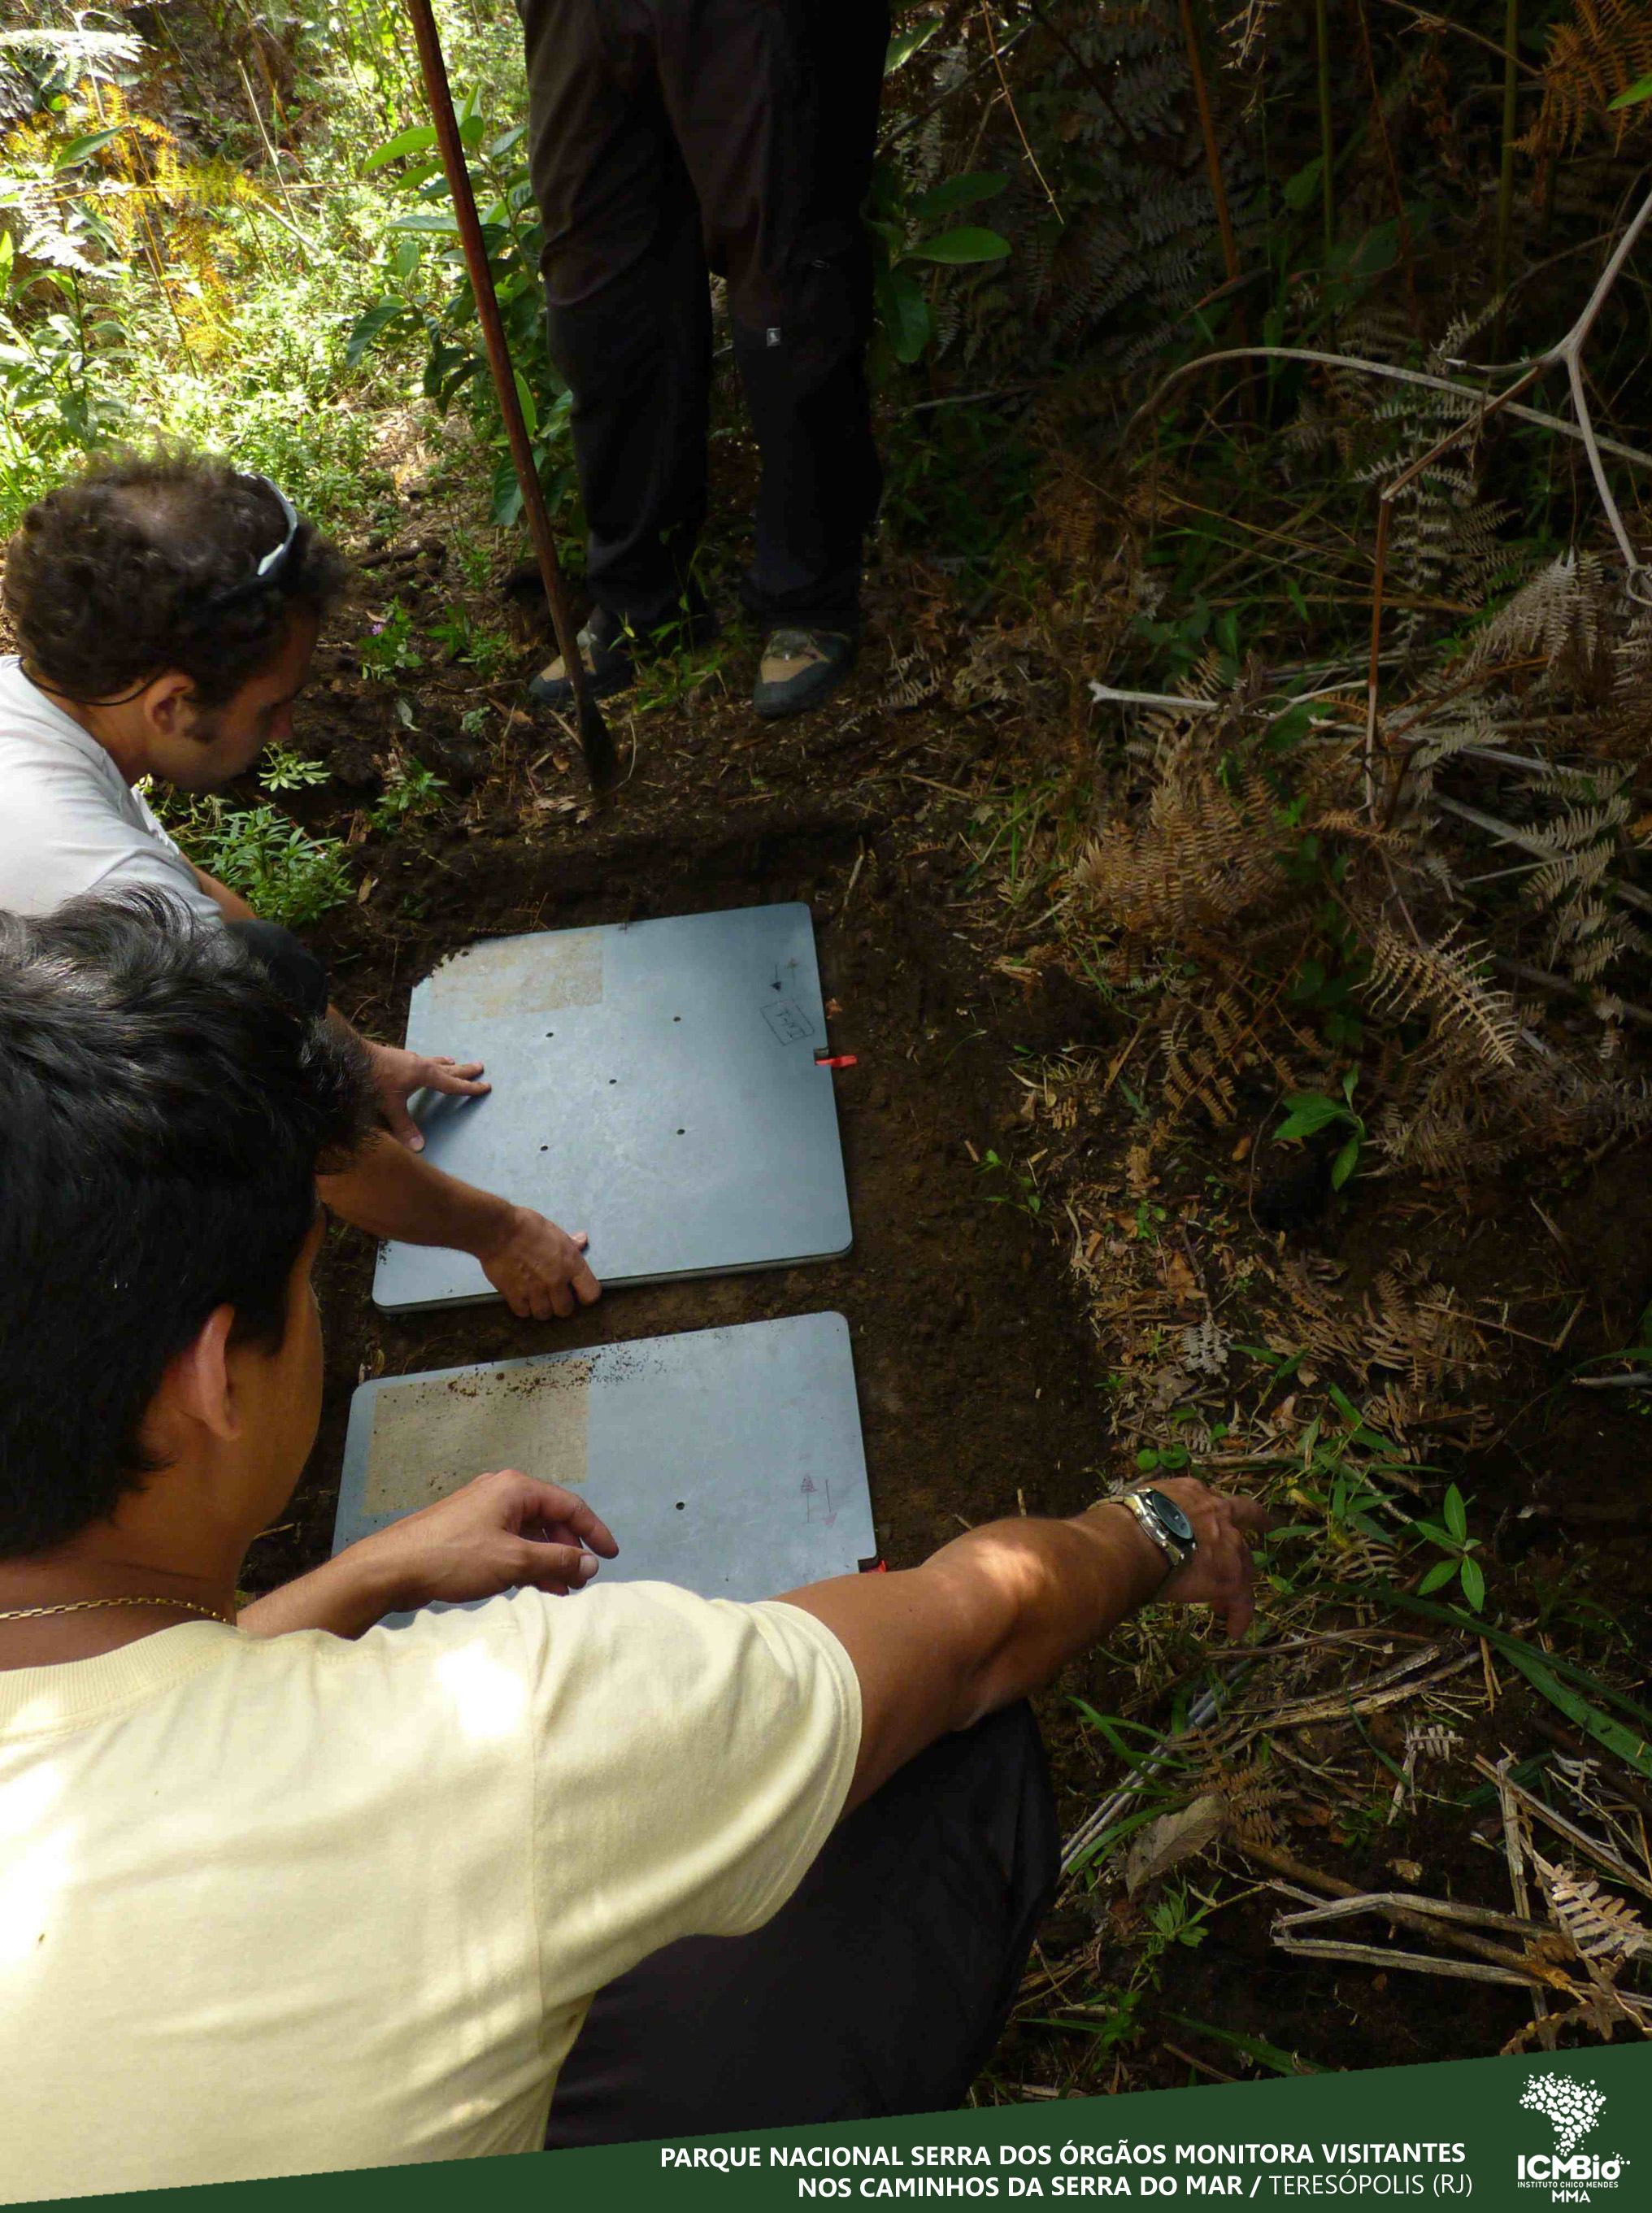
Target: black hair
164,1109
122,572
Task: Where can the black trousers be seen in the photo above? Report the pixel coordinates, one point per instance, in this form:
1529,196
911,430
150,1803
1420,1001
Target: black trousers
668,137
881,1987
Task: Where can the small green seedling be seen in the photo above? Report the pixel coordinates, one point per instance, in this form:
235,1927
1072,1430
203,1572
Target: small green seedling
412,789
1308,1112
1025,1196
1455,1542
387,648
282,770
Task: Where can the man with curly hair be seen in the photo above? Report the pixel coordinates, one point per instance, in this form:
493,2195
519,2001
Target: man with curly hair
168,609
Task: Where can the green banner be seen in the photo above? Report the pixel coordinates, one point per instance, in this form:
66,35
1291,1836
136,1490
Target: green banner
1507,2136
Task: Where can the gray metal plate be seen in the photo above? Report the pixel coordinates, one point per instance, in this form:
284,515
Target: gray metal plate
655,1085
726,1460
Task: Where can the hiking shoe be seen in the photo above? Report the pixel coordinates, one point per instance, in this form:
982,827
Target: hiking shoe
606,652
611,652
800,667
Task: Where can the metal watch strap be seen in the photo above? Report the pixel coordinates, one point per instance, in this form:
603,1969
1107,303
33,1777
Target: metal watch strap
1145,1515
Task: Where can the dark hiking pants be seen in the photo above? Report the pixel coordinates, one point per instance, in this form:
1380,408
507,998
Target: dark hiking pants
666,137
881,1987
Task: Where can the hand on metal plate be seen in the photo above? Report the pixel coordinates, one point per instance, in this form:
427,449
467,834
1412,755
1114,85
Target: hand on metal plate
540,1269
397,1074
503,1531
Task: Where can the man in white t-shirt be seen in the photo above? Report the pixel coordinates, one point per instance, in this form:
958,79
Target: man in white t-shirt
285,1891
167,610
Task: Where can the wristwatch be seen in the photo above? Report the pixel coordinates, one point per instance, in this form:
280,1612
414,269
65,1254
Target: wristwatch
1165,1522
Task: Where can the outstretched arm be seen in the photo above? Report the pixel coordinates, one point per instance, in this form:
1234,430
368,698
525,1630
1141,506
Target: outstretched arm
998,1612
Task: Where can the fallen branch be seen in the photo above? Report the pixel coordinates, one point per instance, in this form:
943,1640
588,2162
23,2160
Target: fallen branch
1495,1955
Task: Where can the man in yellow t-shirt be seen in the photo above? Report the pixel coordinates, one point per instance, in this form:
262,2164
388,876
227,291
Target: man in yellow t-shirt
285,1891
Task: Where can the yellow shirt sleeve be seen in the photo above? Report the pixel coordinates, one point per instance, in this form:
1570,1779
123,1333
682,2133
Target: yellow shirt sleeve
691,1758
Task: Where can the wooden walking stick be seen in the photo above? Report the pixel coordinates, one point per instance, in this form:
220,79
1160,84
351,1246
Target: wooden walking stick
601,761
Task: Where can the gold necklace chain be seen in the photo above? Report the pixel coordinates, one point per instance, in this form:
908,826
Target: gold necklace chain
86,1605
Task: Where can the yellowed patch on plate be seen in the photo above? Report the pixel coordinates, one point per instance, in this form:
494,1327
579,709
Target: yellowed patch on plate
522,976
431,1436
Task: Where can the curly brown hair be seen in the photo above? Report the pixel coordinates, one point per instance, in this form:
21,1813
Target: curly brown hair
122,571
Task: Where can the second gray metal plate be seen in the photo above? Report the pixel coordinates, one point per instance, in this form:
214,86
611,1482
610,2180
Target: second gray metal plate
726,1460
654,1084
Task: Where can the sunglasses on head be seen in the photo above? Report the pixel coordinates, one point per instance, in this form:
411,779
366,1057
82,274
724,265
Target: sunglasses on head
272,567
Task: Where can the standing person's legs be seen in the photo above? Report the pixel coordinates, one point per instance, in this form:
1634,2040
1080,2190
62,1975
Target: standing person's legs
626,286
775,105
881,1987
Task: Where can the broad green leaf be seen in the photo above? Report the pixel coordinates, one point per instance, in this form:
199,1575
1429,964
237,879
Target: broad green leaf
470,133
906,314
1630,1748
957,192
1300,189
503,144
441,225
82,149
955,247
507,503
1632,95
906,43
1473,1584
371,326
1378,250
416,141
525,397
1438,1575
1309,1110
1456,1514
1345,1162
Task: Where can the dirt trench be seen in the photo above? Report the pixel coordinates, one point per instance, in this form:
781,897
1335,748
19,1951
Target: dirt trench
976,1374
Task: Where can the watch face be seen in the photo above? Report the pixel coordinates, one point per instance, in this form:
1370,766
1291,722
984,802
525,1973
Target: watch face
1171,1515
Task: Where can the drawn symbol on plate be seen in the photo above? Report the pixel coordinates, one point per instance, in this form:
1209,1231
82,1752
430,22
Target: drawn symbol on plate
831,1511
790,1024
807,1487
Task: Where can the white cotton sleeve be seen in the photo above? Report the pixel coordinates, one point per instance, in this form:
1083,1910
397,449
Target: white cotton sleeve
153,867
691,1757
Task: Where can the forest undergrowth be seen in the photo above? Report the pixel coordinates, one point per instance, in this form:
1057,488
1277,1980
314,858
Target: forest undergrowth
1265,414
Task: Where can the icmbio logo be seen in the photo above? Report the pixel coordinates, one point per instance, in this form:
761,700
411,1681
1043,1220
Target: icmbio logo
1571,2108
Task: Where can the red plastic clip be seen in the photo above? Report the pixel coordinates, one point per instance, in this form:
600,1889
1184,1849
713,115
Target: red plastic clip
836,1060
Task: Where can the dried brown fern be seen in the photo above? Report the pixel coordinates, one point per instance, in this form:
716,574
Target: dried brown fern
1602,1929
1446,982
1208,856
1405,1323
1606,48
